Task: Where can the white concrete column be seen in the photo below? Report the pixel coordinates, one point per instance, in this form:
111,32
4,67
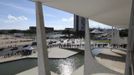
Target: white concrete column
43,68
88,55
118,38
112,39
129,70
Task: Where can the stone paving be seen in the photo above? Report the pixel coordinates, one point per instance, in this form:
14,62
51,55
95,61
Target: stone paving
52,53
56,52
113,59
116,67
33,71
60,53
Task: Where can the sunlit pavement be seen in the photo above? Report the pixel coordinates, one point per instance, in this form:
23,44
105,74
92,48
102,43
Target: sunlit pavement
52,53
109,63
79,71
33,71
113,59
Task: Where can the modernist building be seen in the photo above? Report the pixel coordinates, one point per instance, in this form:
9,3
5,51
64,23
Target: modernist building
48,29
79,23
117,13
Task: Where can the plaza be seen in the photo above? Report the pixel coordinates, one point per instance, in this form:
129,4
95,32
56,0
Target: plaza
81,54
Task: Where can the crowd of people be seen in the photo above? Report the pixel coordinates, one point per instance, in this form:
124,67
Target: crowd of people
61,43
17,51
119,46
74,43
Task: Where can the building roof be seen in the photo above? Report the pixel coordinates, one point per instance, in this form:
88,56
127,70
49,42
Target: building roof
111,12
96,31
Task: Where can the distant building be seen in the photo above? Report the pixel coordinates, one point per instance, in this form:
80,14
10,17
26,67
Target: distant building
18,34
69,29
96,31
116,39
9,41
48,29
79,23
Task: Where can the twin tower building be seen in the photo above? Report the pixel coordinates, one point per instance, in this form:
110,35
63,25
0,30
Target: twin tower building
79,23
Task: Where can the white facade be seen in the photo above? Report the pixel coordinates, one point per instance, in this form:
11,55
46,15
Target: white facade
111,12
116,39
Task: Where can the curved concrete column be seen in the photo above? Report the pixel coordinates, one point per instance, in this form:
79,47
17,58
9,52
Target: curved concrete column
90,64
130,52
41,42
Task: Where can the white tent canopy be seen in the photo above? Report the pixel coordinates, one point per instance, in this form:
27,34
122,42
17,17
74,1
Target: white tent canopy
96,31
110,12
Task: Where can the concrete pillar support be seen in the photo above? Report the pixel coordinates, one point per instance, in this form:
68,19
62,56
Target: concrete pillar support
43,68
112,39
130,52
88,59
87,48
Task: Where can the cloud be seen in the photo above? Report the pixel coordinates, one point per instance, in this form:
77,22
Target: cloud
70,19
12,19
23,18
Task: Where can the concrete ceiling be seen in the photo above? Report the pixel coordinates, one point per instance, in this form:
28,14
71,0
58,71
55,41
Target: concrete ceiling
110,12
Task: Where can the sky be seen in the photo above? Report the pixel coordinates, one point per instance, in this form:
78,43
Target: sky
20,14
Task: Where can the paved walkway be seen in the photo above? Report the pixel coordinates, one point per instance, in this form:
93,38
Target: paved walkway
52,53
100,70
60,53
33,71
117,66
113,59
80,71
115,63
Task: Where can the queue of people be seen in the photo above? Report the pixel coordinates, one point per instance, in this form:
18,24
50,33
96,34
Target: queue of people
16,51
61,43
